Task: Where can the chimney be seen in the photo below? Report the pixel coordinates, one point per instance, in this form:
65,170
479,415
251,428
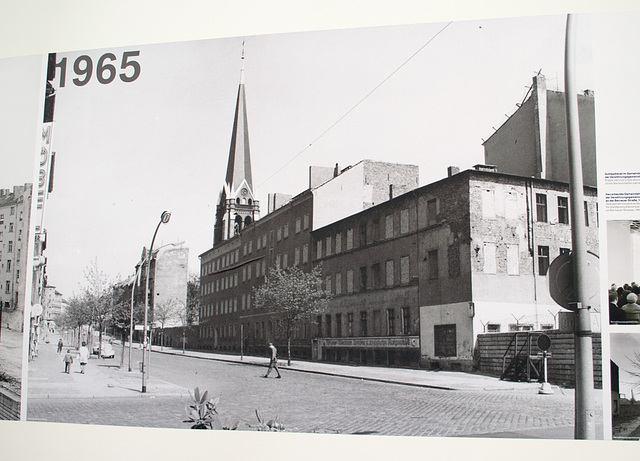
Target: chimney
451,170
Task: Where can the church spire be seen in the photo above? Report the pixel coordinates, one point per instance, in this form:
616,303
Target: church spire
237,207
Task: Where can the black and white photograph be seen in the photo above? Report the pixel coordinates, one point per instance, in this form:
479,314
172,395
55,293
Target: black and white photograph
623,247
342,234
16,233
625,382
381,204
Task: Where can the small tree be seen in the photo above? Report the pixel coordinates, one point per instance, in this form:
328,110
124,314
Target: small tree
164,312
98,296
193,300
294,297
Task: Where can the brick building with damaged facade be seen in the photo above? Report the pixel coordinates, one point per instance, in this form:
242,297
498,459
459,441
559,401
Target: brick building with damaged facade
416,273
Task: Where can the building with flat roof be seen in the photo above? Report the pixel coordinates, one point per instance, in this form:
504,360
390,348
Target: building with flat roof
533,141
15,210
415,273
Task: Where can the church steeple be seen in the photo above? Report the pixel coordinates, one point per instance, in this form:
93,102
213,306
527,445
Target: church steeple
237,207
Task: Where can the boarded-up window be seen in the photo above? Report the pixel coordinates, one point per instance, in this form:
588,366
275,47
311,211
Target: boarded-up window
327,284
389,272
319,249
444,340
338,243
404,269
296,256
349,281
511,206
338,283
328,246
349,239
404,221
489,266
305,253
388,227
488,204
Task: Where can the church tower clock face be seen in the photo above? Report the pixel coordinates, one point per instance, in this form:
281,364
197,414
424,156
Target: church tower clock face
244,192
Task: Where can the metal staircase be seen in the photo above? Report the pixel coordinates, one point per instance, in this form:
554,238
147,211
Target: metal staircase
518,363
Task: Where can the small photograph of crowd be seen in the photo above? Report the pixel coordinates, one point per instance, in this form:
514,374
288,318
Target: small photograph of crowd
623,245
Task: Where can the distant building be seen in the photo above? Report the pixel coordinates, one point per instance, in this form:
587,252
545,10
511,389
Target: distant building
167,287
417,278
533,141
53,305
15,210
416,273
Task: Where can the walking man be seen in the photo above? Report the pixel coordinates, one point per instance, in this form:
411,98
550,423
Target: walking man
60,345
273,364
68,360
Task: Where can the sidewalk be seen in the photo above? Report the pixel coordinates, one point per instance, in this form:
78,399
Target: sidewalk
447,380
102,378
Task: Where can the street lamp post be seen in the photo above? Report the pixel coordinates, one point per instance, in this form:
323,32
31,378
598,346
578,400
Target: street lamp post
164,218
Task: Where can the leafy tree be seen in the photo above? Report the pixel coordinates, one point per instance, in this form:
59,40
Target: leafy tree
98,296
164,311
76,314
293,296
193,300
121,315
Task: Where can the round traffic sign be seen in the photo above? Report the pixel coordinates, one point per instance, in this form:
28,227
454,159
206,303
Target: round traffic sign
560,277
544,342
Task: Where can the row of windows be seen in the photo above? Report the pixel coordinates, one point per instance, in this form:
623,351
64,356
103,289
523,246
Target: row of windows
233,257
339,325
259,268
343,241
256,330
370,277
563,210
226,306
395,322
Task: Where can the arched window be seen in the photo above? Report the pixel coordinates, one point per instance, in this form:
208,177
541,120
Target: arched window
247,221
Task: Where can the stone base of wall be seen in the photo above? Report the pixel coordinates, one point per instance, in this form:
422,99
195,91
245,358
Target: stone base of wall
491,349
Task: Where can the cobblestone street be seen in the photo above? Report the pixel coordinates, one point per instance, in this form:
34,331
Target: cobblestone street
304,402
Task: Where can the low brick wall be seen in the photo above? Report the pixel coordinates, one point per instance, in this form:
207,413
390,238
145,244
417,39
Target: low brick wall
9,405
491,347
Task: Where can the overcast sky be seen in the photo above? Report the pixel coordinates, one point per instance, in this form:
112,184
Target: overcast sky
127,151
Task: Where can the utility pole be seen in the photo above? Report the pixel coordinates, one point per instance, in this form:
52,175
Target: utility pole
584,396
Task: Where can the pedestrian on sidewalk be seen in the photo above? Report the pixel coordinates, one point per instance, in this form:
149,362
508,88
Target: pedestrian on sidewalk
60,345
273,364
68,360
84,356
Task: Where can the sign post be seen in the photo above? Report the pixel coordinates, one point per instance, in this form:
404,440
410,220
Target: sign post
544,343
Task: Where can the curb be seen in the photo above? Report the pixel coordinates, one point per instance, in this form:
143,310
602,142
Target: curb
318,372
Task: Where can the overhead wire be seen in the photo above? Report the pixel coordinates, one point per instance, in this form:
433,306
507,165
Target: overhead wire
405,62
